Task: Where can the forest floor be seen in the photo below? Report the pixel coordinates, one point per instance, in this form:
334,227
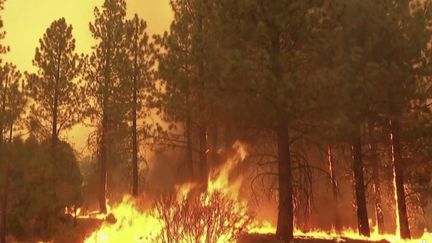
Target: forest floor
70,233
257,238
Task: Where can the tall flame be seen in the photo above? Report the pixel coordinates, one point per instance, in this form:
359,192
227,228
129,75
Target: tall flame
127,223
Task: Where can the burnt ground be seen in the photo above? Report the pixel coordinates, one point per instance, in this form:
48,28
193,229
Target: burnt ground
257,238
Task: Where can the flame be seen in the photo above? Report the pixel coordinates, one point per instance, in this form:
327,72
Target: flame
130,225
127,223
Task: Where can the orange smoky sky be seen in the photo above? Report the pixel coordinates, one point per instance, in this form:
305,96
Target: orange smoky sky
25,22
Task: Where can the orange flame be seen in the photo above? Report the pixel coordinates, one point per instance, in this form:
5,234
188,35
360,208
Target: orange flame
133,225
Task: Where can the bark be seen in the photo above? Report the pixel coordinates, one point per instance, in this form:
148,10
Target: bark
104,131
402,215
103,165
134,122
285,224
188,134
3,110
203,156
189,151
362,215
54,132
379,213
3,223
5,196
335,191
203,128
3,205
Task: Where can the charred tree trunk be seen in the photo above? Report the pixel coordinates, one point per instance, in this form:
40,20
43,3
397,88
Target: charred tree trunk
285,224
103,164
335,191
4,202
188,134
104,132
203,126
3,223
189,151
362,215
379,213
402,215
54,132
134,144
134,120
203,156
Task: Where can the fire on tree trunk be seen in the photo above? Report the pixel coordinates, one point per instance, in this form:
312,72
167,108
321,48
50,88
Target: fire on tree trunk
362,215
401,210
337,220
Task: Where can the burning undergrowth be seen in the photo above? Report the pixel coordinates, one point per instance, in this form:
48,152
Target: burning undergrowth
187,214
215,212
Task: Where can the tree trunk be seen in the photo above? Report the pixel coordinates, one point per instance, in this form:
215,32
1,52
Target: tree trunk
362,215
402,215
285,224
134,121
134,144
104,132
379,213
4,202
203,156
337,220
54,132
3,223
188,134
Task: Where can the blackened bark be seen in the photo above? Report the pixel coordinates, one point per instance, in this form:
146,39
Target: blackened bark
203,147
189,151
188,134
5,195
335,191
285,224
134,119
379,213
3,219
54,132
362,215
103,164
104,132
203,156
402,214
134,145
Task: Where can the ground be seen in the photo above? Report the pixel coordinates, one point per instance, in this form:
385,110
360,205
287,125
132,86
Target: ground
256,238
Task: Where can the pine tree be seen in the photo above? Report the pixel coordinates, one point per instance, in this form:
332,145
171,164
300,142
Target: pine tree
12,106
103,80
266,78
185,67
55,86
138,82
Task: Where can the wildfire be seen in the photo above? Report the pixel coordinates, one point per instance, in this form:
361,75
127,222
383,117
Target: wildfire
218,215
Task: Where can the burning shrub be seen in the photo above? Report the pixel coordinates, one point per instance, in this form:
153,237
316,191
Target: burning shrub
211,217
